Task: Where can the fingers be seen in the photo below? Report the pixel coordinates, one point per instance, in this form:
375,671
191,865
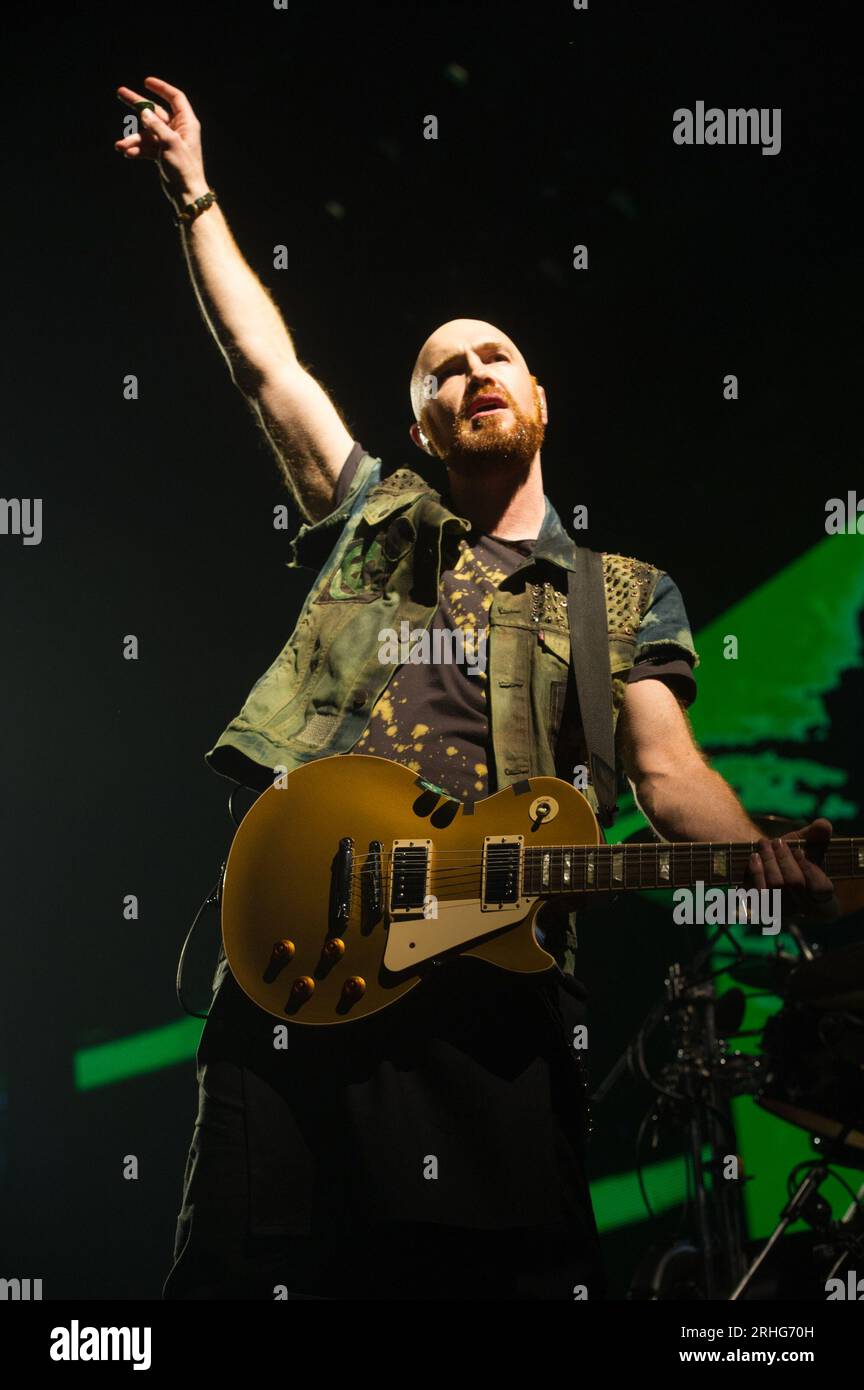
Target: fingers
790,869
817,835
130,96
150,141
820,829
179,101
153,124
820,903
780,867
817,881
757,871
777,866
131,146
787,867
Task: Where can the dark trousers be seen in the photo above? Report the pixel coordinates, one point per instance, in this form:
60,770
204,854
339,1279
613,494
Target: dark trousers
294,1183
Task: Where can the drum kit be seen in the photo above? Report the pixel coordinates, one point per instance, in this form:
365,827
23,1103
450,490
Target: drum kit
808,1070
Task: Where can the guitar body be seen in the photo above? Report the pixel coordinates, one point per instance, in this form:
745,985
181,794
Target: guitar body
343,887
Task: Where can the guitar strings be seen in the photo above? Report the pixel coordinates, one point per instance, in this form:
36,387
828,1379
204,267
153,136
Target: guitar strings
678,848
634,851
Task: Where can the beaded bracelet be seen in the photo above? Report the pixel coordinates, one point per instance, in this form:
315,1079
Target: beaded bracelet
193,210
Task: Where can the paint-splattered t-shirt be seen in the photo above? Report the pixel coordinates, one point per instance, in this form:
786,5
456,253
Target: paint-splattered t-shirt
434,716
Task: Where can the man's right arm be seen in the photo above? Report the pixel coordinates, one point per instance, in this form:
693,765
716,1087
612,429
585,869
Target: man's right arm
300,421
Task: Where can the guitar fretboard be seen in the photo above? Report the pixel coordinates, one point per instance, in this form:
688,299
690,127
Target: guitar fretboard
611,868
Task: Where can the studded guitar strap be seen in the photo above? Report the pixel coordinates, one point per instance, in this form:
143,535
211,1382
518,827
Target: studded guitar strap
589,651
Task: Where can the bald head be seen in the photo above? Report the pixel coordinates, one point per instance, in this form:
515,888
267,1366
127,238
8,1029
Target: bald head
446,346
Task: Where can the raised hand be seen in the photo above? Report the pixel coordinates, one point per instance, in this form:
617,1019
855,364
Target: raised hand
170,136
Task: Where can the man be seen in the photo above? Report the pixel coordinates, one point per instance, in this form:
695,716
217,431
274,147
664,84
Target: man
435,1150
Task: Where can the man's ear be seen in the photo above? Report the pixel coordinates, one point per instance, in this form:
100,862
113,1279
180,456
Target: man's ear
544,409
420,439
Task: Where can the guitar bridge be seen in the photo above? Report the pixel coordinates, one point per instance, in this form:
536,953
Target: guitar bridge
341,883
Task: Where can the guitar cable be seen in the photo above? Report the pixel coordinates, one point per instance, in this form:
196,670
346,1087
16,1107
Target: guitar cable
213,899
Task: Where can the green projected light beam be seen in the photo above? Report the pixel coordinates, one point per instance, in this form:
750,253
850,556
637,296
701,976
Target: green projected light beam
618,1201
140,1052
797,634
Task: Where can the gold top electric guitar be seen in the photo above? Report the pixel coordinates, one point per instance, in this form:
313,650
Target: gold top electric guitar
343,886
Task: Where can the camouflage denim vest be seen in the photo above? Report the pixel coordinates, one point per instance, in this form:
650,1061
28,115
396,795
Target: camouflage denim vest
378,556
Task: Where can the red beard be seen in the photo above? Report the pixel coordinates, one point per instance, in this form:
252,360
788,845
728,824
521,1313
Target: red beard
512,442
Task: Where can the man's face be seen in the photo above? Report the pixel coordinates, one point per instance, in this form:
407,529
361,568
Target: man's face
477,402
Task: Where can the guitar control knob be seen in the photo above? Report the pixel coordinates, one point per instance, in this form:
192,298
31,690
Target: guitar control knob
281,954
302,988
354,987
334,948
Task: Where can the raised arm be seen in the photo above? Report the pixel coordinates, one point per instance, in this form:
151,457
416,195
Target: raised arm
302,424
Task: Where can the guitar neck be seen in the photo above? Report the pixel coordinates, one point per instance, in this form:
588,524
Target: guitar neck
568,869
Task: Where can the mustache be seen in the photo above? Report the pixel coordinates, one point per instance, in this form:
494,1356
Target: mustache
465,413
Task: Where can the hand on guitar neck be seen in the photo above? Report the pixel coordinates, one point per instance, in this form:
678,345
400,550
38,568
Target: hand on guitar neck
807,890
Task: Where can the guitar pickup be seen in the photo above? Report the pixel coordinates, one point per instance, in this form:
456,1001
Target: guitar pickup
409,876
502,870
